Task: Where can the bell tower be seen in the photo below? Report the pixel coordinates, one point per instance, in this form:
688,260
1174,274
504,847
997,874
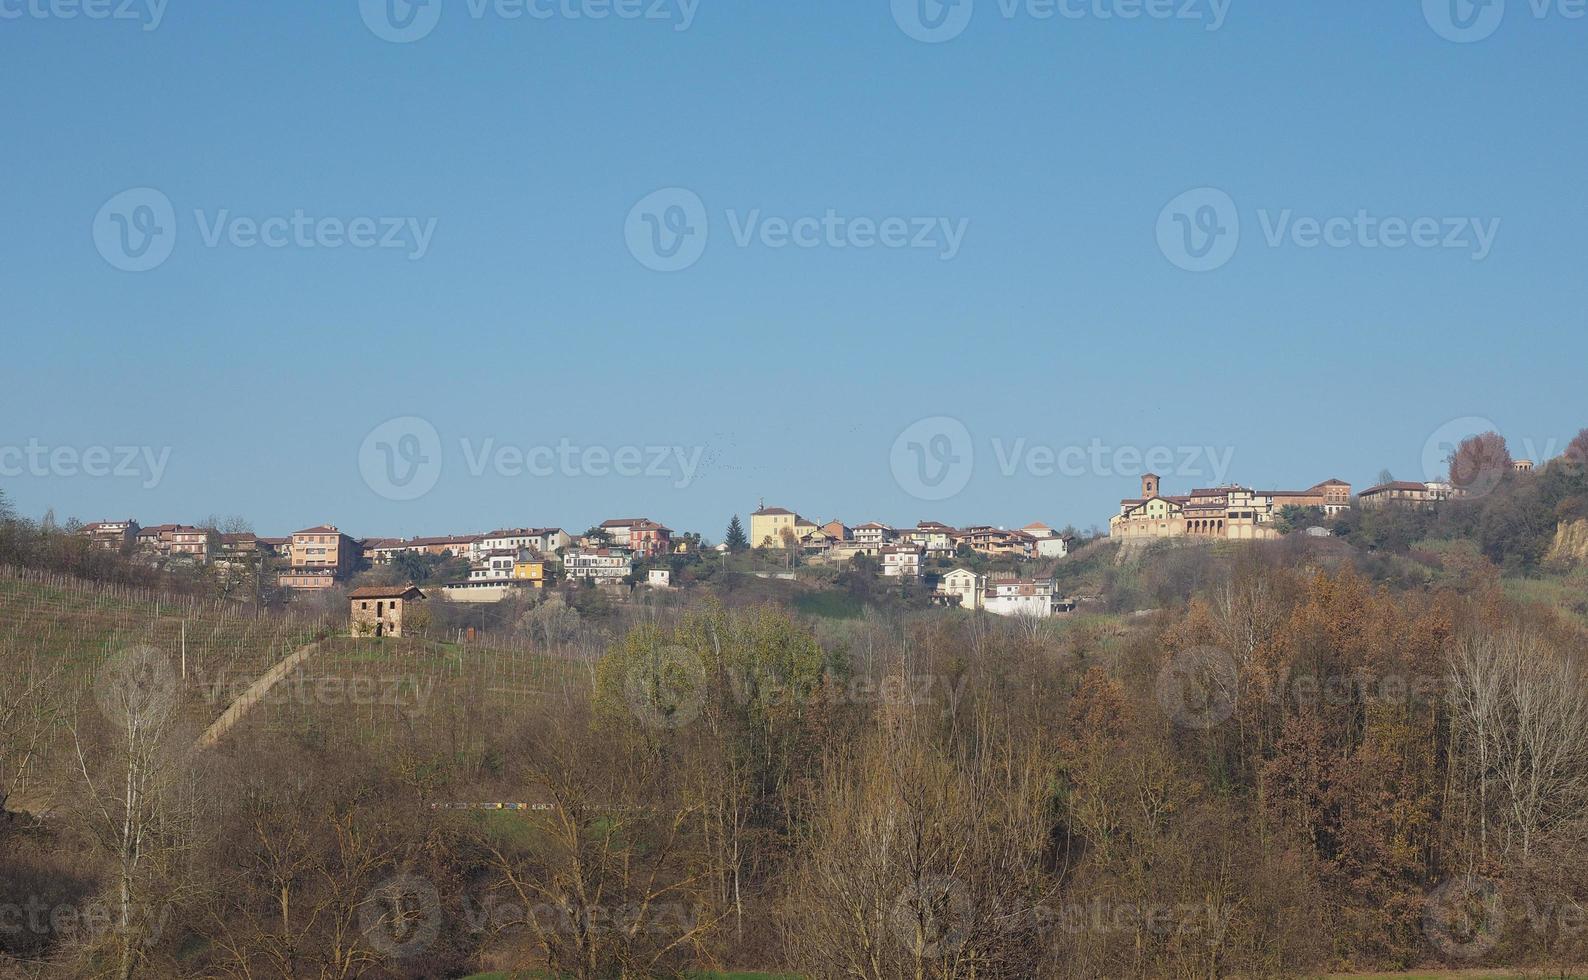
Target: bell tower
1149,486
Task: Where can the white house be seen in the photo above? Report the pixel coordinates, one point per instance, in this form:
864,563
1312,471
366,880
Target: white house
659,578
964,585
902,560
873,535
597,564
1020,598
1049,543
546,540
494,566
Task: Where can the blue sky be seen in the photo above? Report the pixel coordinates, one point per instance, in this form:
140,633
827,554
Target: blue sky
529,316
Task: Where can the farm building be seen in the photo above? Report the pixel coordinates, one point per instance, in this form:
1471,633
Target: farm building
378,610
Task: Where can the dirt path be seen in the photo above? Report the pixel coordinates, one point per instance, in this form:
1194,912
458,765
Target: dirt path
255,693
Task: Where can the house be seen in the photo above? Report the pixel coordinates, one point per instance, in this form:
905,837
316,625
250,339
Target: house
1049,543
466,547
156,539
902,560
192,543
546,540
639,535
659,578
494,566
937,539
649,539
378,610
273,547
836,530
112,535
872,535
321,557
599,565
533,569
1032,597
773,527
998,542
1403,493
962,587
238,550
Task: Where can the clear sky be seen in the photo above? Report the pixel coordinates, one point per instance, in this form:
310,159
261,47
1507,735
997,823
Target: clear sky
1002,238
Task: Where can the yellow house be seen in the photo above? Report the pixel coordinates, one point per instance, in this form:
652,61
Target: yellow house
535,571
768,524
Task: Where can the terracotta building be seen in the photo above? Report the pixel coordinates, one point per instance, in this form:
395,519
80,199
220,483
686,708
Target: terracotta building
1233,512
321,556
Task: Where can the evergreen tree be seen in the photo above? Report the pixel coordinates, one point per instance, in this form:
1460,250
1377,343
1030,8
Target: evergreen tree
737,541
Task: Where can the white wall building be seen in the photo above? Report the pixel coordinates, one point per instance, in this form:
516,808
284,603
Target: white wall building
902,560
599,564
1020,598
965,585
